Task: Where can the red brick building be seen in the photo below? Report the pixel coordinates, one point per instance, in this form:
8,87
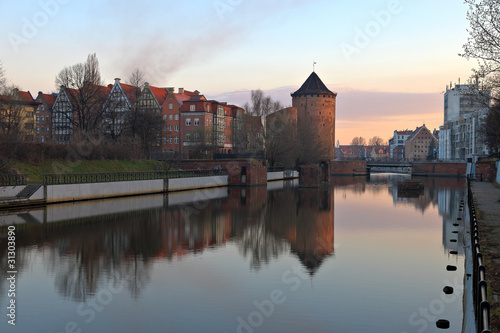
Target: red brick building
43,117
315,103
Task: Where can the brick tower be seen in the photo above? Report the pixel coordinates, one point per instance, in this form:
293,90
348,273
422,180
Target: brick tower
316,104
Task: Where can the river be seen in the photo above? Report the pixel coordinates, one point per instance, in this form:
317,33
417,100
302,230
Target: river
356,257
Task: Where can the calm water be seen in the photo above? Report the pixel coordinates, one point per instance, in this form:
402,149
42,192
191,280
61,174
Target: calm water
355,258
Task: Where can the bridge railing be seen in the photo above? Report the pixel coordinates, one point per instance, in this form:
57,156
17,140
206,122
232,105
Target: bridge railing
13,180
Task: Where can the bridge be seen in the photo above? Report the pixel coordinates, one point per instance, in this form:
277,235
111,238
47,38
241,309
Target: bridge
395,167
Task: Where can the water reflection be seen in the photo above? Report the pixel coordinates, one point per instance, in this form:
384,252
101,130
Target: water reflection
90,245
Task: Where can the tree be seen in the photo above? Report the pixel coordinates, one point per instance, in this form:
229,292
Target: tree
358,141
201,143
310,148
84,88
376,141
483,42
15,122
137,79
253,136
491,130
261,105
281,142
3,80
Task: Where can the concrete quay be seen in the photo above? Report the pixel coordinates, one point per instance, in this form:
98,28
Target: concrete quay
487,202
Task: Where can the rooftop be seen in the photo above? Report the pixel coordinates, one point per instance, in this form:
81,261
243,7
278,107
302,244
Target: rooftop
313,85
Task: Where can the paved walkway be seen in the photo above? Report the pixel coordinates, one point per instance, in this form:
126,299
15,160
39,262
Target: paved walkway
487,201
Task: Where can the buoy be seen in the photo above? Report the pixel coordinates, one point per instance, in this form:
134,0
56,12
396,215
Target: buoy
448,290
443,323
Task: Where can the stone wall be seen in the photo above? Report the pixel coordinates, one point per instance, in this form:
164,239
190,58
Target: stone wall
486,170
348,168
439,169
241,172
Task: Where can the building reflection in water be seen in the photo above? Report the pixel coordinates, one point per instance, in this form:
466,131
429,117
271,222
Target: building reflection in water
86,252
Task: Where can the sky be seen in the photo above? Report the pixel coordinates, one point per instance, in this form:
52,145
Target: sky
388,60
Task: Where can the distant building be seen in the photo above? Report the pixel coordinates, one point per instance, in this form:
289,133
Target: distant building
397,144
43,117
421,145
315,103
350,153
377,153
117,106
465,110
171,112
75,110
17,115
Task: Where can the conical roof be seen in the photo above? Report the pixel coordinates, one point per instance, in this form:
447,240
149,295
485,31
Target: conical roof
313,85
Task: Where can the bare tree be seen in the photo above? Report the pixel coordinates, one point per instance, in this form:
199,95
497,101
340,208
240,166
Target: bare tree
358,141
310,147
483,43
376,141
137,78
261,105
201,144
3,79
86,93
16,124
490,128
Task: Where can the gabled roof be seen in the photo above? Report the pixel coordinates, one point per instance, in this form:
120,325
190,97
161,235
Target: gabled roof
130,91
25,96
49,98
313,85
159,94
417,130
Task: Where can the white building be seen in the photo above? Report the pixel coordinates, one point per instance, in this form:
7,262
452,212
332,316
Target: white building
465,109
397,144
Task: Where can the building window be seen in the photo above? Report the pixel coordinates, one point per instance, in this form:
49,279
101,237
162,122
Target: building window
188,137
164,140
43,118
192,107
170,106
43,108
176,117
38,129
176,127
188,121
176,139
170,128
164,117
164,128
37,118
196,137
170,140
196,122
47,129
169,117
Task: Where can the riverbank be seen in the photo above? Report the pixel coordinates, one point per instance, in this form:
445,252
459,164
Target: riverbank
487,201
35,171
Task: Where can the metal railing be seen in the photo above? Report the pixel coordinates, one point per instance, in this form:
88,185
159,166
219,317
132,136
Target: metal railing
13,180
102,177
479,284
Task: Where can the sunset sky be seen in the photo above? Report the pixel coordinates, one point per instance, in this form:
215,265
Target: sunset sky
388,60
